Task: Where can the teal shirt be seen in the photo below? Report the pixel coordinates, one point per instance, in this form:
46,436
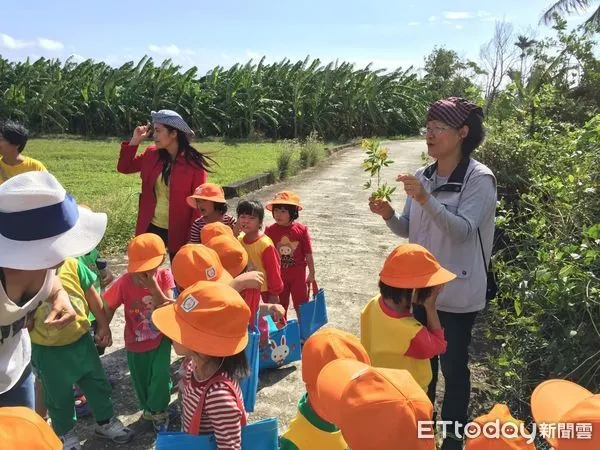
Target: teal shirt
309,414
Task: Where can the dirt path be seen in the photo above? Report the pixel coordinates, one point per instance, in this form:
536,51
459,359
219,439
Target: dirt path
350,245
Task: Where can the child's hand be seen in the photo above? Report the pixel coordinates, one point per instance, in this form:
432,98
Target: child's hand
236,229
430,302
106,279
277,312
310,278
103,336
248,280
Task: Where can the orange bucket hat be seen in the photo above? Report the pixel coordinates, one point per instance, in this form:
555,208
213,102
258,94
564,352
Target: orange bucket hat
145,252
500,414
231,252
207,191
197,262
22,429
208,318
411,266
210,230
564,402
324,346
284,198
375,408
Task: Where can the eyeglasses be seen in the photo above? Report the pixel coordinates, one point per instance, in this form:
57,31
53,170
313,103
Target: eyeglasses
433,130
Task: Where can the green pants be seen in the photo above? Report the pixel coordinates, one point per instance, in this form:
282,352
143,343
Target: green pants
59,368
151,376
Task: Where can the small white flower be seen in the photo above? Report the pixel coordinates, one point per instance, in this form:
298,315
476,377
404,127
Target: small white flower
573,333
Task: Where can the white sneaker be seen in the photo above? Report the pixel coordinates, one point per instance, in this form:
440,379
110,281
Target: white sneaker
115,431
70,441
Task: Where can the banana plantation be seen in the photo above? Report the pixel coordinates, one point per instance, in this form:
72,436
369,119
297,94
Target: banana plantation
279,100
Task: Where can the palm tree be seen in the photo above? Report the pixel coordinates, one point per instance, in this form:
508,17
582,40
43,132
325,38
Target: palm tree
569,7
525,44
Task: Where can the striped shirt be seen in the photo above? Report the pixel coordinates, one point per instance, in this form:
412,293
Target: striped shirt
200,222
221,414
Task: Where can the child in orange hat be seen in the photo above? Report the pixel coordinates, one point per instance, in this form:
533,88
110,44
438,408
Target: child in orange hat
23,429
143,288
392,336
209,200
198,262
568,413
262,254
375,408
293,244
309,429
499,430
208,326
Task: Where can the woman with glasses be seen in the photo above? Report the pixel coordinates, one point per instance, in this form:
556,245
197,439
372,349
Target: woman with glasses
450,210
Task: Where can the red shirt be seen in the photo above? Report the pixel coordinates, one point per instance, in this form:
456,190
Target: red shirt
426,343
140,333
185,177
292,243
220,414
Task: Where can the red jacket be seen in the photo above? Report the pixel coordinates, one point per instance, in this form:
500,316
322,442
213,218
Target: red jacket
182,182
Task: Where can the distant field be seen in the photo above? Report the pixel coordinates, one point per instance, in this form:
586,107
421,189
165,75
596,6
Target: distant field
88,170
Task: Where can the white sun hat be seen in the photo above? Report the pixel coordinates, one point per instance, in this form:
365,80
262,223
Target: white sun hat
41,225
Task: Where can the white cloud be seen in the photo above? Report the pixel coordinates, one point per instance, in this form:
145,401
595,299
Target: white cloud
170,50
457,15
11,43
413,24
50,45
432,18
459,27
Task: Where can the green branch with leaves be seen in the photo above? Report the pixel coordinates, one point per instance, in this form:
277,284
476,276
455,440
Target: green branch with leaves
377,158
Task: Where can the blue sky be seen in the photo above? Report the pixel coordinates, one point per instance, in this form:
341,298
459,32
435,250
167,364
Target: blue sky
388,33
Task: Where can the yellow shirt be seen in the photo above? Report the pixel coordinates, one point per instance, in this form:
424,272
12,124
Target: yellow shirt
75,278
387,340
308,431
161,212
255,250
27,165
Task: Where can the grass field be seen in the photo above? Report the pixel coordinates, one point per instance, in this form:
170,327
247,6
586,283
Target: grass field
88,170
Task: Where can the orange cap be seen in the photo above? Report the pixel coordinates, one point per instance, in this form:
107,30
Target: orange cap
495,438
21,428
412,266
197,262
375,408
558,402
207,191
145,252
208,318
326,345
231,252
210,230
284,198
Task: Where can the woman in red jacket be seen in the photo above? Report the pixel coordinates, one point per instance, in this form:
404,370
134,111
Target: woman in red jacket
170,171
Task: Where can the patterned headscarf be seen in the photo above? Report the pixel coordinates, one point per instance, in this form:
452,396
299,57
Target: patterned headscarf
453,111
